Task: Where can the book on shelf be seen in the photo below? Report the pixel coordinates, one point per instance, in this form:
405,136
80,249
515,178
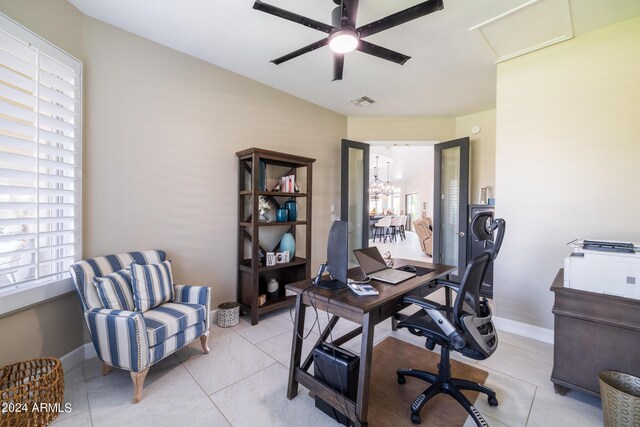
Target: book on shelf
288,184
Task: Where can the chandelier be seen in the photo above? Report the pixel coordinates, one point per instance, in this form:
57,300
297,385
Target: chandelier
376,187
387,188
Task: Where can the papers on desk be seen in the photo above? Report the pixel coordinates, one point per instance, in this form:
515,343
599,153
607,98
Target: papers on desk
363,289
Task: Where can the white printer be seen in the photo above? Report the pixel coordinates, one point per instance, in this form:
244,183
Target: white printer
606,267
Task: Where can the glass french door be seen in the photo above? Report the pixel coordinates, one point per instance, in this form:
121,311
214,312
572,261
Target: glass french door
413,208
354,201
451,200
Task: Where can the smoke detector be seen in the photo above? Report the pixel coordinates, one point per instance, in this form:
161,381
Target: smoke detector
363,101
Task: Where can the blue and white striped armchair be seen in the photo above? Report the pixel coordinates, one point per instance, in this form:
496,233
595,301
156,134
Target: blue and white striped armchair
134,340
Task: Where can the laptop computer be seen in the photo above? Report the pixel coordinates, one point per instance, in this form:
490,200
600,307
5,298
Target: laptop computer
373,265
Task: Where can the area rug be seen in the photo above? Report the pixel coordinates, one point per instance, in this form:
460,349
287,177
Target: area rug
389,402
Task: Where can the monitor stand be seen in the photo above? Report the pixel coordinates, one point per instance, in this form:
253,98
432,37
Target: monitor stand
331,285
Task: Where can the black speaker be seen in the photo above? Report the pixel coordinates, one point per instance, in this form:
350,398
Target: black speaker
338,369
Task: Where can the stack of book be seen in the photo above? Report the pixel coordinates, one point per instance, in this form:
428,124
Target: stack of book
288,184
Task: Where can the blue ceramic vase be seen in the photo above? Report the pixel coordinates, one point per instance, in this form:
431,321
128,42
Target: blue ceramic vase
292,207
282,215
288,243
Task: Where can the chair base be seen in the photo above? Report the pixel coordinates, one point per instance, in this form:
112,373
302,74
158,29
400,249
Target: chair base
443,383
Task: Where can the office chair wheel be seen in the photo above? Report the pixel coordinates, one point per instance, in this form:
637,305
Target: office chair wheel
492,401
415,418
401,379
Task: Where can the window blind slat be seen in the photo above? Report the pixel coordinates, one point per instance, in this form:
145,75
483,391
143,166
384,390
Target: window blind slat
17,221
56,151
6,206
56,192
18,190
57,83
20,160
56,178
14,111
54,110
15,127
56,124
10,174
16,95
18,237
54,67
57,97
55,137
18,80
19,65
9,143
52,164
17,48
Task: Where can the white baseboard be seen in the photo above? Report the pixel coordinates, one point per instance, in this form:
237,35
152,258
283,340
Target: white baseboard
73,358
524,329
87,351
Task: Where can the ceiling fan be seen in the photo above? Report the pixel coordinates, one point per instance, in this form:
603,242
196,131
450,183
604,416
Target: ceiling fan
344,37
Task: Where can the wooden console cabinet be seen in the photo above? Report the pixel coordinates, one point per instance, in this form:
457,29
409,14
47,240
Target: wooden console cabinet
593,332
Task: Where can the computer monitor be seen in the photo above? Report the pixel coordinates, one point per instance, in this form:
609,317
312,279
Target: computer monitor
337,259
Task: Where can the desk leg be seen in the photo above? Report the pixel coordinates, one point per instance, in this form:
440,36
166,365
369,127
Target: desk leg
296,347
364,376
447,295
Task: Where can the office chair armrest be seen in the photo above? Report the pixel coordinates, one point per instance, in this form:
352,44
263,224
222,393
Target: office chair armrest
448,284
424,303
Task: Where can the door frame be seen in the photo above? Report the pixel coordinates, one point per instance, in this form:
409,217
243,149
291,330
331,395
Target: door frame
344,185
463,143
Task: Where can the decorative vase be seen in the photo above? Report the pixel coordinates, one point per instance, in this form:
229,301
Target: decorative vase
292,207
272,288
282,215
288,243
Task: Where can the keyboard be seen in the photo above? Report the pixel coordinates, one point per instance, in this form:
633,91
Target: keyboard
390,275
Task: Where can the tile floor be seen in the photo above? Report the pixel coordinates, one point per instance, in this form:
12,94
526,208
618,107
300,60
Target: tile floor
243,380
407,249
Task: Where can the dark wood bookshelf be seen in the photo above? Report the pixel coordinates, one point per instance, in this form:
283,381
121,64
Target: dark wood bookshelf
253,275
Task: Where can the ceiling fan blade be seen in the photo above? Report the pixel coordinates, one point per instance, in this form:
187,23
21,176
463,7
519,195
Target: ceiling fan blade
290,16
401,17
382,52
338,66
349,12
309,48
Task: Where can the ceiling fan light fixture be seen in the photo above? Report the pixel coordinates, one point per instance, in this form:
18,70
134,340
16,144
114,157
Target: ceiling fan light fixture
343,40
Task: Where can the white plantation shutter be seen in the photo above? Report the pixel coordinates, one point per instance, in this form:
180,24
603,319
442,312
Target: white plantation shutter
40,159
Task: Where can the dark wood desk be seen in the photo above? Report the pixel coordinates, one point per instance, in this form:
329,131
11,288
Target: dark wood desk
367,311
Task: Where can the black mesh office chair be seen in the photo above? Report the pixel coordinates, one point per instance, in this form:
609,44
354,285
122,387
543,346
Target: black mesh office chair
466,327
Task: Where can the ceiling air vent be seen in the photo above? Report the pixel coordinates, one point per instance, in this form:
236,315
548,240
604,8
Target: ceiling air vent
363,101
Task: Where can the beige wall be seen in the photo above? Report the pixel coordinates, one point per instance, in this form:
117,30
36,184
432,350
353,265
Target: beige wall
161,132
567,159
401,128
161,170
482,147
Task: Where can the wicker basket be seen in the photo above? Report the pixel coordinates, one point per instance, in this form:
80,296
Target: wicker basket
38,382
620,395
228,314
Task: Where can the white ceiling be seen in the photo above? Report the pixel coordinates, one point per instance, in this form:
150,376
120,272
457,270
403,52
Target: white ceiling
452,71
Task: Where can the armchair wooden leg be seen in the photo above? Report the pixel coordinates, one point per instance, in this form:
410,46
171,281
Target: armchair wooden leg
138,382
106,369
204,341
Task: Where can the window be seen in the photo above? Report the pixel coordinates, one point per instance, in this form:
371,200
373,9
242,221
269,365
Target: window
40,161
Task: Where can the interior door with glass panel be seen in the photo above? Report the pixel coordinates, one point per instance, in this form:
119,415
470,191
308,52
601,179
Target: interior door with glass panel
413,208
354,201
451,200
